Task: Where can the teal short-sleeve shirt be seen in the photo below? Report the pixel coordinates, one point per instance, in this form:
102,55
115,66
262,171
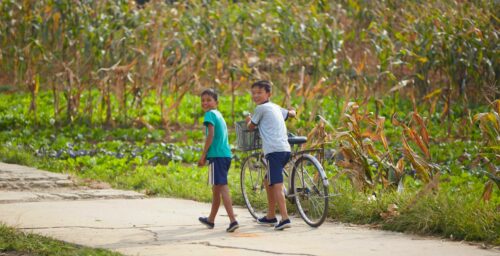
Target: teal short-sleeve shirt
220,144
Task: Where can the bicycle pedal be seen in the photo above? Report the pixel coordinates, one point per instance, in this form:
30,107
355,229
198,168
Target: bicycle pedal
300,190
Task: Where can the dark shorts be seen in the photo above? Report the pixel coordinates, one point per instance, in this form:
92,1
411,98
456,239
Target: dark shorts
276,161
218,168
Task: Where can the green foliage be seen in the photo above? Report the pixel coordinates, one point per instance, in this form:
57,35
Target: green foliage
21,243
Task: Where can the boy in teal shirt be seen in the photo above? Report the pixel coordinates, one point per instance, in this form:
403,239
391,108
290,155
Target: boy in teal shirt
218,154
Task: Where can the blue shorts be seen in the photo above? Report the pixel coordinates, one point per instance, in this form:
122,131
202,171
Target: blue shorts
276,161
218,168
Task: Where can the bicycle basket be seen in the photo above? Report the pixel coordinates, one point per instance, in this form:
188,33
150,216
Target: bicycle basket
247,139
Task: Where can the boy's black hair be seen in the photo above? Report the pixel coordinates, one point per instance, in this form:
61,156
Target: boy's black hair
211,93
263,84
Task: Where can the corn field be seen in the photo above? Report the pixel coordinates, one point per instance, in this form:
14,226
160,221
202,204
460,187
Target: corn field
103,58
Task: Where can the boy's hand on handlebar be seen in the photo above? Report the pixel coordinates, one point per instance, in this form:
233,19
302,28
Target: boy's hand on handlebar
250,125
292,113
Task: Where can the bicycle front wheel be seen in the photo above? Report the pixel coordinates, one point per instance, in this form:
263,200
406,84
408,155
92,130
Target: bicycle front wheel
310,190
253,171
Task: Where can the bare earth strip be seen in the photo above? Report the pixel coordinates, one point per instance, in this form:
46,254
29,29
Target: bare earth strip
132,224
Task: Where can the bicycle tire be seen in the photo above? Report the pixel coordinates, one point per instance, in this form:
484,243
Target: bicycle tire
253,171
310,190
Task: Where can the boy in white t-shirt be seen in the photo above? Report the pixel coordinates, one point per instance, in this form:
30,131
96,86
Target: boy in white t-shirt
270,118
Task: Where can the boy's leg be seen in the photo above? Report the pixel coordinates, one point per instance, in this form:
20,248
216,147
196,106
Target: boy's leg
219,167
277,190
226,200
215,203
271,201
276,163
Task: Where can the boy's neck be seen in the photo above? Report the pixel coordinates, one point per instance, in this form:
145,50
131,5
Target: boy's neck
264,102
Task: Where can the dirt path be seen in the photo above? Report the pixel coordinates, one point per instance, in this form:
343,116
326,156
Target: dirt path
128,222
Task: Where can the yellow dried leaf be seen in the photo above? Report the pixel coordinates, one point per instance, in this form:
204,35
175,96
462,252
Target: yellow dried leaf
394,120
423,59
56,17
37,84
359,69
433,94
445,110
496,106
488,190
400,165
219,65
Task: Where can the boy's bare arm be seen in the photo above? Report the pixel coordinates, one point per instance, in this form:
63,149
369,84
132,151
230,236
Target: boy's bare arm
208,142
250,125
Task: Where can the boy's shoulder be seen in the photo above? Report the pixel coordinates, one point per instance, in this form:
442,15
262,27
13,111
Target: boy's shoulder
267,105
214,114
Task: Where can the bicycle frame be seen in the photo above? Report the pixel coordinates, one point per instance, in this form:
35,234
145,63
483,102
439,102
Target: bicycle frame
295,154
298,153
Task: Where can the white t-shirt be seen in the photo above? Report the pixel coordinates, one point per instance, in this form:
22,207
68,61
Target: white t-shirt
270,118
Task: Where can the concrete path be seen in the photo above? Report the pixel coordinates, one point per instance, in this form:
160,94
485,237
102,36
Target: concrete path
132,224
26,184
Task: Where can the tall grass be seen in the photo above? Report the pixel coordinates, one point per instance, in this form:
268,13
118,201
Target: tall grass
461,217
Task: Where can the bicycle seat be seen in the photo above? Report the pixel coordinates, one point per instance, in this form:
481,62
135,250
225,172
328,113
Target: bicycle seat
296,140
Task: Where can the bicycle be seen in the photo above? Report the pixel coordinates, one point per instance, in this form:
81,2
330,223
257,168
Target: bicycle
307,186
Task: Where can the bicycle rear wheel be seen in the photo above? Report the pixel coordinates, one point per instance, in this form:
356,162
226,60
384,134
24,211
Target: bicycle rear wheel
310,190
253,171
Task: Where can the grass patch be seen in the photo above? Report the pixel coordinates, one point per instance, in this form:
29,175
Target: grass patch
21,243
460,217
